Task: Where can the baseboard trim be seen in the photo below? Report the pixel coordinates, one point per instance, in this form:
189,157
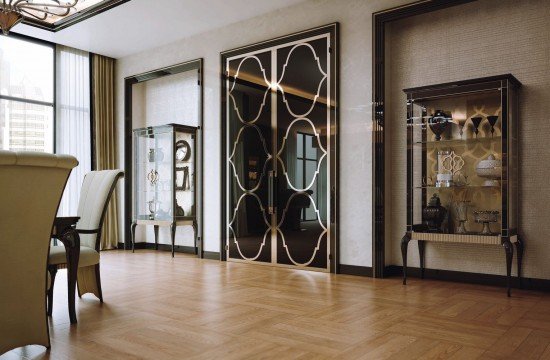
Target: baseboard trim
166,247
211,255
355,270
469,277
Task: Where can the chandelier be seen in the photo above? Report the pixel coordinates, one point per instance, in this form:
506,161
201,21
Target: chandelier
13,11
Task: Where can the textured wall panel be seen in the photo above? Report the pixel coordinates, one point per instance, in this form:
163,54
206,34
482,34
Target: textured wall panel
483,38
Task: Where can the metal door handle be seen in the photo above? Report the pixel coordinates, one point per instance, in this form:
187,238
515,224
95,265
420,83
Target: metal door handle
271,183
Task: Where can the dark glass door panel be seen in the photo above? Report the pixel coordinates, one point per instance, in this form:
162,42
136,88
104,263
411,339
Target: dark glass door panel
302,154
249,157
281,154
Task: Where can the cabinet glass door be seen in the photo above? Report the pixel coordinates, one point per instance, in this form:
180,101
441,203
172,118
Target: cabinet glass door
280,154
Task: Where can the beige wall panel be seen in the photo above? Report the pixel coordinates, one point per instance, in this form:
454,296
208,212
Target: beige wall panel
483,38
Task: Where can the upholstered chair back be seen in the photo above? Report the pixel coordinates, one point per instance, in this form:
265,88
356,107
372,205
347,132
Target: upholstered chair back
92,205
31,186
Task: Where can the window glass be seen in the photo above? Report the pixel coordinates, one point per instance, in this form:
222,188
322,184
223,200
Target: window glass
26,95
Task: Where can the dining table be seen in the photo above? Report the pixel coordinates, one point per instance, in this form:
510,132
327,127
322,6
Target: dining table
64,230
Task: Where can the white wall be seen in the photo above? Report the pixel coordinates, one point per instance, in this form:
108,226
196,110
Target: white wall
355,18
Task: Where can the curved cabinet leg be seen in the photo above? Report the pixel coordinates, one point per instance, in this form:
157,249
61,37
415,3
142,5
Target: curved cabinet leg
421,251
519,249
173,234
133,230
404,245
508,248
156,229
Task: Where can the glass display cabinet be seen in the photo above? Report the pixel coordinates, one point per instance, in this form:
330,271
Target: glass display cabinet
164,178
462,166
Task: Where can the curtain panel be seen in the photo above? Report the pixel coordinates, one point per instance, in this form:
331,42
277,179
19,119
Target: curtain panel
103,100
73,129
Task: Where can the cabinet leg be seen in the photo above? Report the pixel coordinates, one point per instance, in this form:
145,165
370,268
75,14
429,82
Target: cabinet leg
519,249
509,256
173,233
156,229
133,231
421,250
404,245
195,233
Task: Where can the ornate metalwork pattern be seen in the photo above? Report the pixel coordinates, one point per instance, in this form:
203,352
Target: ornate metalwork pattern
280,126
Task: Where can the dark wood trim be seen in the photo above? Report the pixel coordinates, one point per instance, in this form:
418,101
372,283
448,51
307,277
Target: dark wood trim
468,277
355,270
75,18
379,21
211,255
167,247
333,29
196,64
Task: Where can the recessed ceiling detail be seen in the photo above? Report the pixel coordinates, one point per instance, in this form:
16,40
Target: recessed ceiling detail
51,15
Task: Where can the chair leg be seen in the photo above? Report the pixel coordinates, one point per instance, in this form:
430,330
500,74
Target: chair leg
98,283
53,271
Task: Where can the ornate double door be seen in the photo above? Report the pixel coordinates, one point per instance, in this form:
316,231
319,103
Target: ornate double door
280,118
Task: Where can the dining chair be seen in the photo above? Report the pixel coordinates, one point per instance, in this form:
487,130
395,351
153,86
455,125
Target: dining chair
97,188
31,186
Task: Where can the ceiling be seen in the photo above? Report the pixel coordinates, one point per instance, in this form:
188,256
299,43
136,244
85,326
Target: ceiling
139,25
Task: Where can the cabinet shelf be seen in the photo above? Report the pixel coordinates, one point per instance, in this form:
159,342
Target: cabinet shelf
458,142
457,187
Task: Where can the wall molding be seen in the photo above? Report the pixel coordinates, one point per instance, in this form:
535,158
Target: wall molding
355,270
469,277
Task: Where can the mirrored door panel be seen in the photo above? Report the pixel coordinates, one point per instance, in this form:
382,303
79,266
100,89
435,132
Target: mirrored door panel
302,153
280,133
249,144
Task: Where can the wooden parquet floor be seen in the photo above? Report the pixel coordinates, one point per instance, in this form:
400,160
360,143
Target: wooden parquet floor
157,307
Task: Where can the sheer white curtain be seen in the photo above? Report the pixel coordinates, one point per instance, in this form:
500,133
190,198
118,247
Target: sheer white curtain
73,130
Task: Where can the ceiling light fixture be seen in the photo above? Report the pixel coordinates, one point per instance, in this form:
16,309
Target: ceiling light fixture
12,12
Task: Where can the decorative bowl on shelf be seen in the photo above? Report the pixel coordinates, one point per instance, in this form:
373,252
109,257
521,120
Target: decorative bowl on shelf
438,123
490,169
486,217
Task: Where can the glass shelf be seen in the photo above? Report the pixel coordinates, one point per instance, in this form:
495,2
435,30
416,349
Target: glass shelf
457,187
451,142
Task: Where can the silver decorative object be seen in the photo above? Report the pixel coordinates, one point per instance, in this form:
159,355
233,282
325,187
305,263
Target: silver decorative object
486,217
491,169
461,210
153,177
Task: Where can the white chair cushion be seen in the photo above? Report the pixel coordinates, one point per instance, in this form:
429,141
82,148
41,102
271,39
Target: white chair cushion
88,256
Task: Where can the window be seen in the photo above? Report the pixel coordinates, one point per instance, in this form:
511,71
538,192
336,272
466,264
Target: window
45,105
26,95
73,131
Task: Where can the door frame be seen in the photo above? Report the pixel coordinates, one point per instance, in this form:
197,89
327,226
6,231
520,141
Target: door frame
333,31
379,21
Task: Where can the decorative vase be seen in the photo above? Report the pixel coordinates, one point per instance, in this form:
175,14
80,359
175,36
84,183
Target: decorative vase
492,121
476,121
160,155
434,214
491,169
438,123
461,209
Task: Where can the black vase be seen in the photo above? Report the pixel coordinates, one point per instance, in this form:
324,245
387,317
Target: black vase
438,123
434,214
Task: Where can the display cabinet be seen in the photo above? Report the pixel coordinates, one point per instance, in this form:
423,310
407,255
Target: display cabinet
462,166
164,178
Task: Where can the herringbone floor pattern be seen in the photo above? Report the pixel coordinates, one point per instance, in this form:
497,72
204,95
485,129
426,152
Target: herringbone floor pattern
157,307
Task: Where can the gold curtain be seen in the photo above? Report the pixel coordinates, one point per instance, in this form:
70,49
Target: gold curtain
103,97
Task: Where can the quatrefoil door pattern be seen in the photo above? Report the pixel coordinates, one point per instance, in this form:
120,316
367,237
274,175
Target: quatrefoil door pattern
279,108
